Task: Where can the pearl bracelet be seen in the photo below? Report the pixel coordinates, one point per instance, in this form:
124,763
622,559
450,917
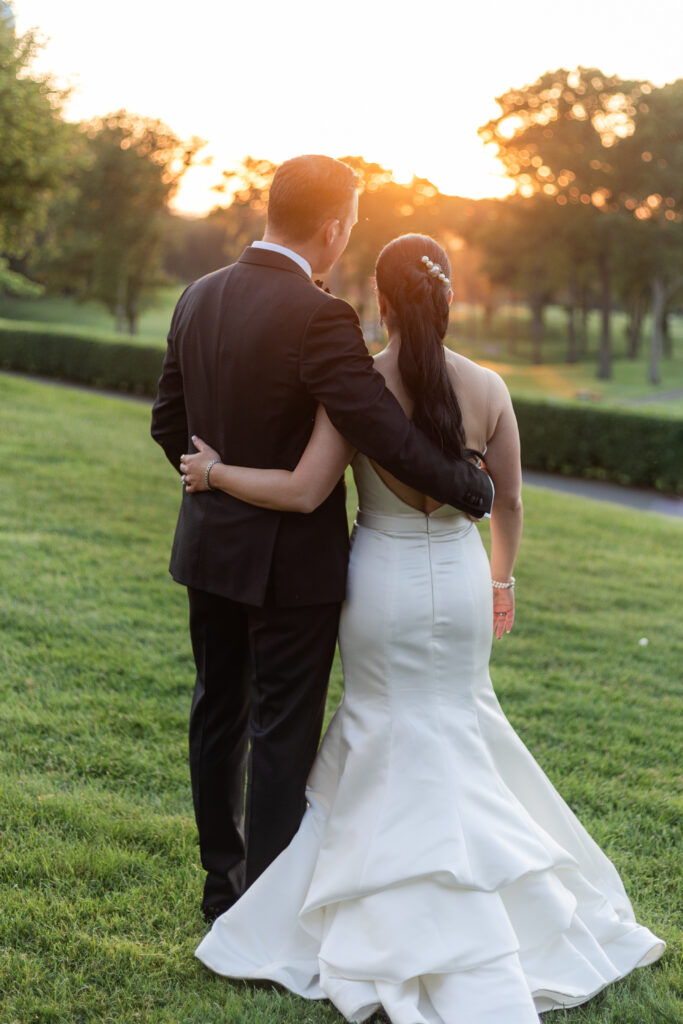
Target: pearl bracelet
207,471
503,586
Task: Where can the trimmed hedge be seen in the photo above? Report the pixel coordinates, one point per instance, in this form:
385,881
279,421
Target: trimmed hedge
605,444
65,355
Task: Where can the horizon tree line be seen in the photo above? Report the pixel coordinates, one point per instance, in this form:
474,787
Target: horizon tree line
595,219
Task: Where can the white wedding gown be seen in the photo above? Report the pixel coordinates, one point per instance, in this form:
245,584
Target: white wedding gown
437,873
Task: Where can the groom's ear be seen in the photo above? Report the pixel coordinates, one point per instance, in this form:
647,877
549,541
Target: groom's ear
331,229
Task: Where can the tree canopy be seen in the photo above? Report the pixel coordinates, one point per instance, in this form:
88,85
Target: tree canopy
609,154
32,167
106,232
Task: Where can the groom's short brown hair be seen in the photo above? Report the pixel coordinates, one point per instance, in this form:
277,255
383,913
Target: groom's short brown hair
305,192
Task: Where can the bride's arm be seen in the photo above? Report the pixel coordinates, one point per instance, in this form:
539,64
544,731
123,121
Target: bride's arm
504,466
302,489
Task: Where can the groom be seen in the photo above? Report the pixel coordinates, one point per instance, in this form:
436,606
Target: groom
252,349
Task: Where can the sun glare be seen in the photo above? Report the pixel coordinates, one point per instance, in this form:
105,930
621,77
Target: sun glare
477,176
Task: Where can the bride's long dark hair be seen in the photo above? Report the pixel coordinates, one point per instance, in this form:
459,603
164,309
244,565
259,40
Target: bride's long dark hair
419,311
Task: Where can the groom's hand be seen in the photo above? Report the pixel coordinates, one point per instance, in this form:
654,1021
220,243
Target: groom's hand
193,467
480,464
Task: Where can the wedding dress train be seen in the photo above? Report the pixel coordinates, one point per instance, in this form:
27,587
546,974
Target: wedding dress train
437,873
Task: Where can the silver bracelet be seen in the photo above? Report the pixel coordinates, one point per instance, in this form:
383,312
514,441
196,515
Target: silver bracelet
206,474
503,586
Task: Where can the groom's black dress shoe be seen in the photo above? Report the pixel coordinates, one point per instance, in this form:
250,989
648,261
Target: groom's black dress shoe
220,892
212,913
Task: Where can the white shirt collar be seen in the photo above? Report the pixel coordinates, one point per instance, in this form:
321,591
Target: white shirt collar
304,264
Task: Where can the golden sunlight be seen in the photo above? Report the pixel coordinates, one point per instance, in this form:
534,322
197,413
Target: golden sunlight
478,176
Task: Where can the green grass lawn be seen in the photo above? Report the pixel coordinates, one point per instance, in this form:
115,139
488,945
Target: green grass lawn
100,880
91,319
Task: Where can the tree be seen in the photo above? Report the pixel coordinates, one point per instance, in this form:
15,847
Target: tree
652,193
574,237
554,138
519,242
32,165
192,246
633,289
108,229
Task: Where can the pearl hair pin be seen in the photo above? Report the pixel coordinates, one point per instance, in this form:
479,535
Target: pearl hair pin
434,270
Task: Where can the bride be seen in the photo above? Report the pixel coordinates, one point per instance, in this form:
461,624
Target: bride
436,873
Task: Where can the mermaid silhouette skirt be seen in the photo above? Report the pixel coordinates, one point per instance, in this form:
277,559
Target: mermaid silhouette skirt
437,873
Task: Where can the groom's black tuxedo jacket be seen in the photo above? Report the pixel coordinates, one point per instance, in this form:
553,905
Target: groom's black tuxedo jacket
252,349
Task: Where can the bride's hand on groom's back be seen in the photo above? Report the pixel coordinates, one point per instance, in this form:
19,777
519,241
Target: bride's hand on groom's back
193,467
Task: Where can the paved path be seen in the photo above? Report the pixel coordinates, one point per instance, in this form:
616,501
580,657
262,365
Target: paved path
662,396
633,497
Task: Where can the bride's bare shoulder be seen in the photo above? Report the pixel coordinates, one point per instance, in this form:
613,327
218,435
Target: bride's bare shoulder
465,369
482,393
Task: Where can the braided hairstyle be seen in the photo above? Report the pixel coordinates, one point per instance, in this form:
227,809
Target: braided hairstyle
419,304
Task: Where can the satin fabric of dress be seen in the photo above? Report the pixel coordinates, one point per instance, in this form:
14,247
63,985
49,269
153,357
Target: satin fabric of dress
437,873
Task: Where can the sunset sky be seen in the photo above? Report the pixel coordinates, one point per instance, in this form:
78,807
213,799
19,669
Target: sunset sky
405,84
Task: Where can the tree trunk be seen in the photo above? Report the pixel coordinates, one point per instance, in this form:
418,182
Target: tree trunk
131,317
583,321
120,307
488,309
572,353
512,329
132,311
658,301
537,308
605,361
667,343
453,326
634,330
473,320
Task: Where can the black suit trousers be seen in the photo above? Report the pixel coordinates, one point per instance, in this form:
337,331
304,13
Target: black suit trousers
257,711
